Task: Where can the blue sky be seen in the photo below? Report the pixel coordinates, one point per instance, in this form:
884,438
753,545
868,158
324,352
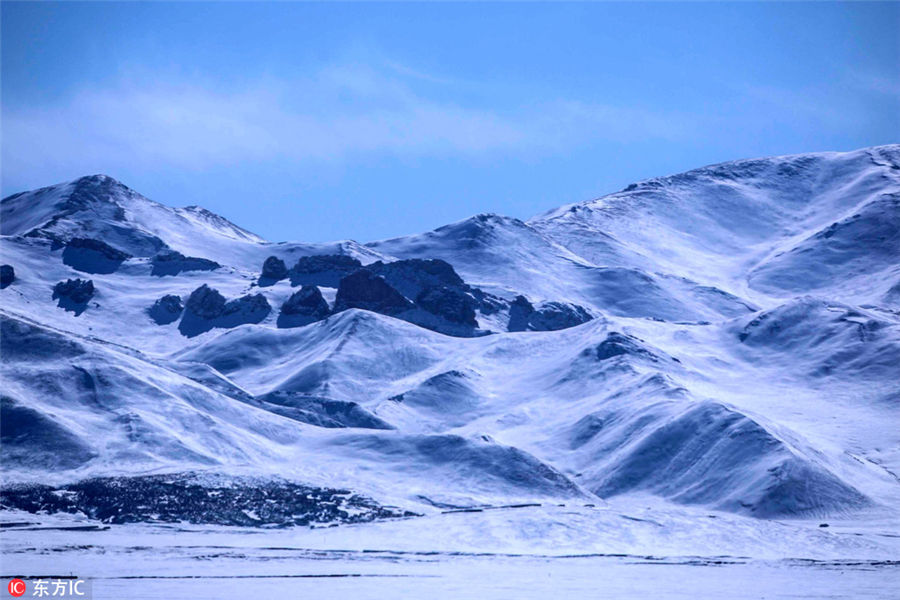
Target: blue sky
330,121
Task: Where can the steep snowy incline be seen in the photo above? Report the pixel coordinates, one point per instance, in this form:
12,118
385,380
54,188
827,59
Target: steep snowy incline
717,224
507,256
99,207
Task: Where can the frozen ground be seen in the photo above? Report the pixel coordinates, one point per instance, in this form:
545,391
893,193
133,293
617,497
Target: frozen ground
529,552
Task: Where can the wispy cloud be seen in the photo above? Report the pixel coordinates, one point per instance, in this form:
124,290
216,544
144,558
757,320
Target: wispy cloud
337,113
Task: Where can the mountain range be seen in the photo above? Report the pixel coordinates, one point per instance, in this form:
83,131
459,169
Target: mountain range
726,338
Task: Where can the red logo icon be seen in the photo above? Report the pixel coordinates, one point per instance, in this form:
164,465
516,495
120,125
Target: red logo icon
16,587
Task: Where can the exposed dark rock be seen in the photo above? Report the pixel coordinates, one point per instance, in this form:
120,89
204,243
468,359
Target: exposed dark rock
206,303
73,294
619,344
303,307
93,256
166,309
548,316
520,310
411,277
251,308
552,316
322,412
449,303
488,304
273,270
206,308
189,498
170,262
323,270
363,289
7,275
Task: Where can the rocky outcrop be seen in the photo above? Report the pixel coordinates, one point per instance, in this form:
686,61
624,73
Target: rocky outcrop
520,310
206,308
93,256
619,344
450,304
251,308
414,276
166,310
303,307
322,270
7,275
170,262
548,316
206,303
273,270
73,294
552,316
189,498
368,291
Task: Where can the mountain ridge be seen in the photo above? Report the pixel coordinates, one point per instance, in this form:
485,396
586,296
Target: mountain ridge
645,342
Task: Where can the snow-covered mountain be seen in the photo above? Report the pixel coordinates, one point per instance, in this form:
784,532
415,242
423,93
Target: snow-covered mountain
726,338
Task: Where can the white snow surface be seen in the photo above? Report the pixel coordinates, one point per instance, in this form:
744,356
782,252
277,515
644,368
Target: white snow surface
744,364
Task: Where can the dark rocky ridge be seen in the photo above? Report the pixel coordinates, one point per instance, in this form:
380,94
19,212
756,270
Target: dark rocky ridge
93,256
548,316
170,262
368,291
206,309
188,498
303,307
323,270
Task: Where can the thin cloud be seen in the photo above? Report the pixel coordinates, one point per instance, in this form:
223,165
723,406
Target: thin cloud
336,114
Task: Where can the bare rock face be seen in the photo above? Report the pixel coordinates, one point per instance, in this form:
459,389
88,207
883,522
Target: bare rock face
450,304
273,270
368,291
251,308
548,316
206,303
206,308
520,311
73,294
323,270
93,256
166,310
170,262
552,316
303,307
7,275
413,276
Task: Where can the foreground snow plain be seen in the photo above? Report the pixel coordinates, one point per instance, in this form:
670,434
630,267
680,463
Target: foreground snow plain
567,551
735,391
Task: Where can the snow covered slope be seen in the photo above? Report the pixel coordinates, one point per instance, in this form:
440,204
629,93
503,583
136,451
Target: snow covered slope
727,338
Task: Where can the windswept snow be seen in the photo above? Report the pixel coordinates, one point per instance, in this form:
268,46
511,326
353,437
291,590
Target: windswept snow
721,342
